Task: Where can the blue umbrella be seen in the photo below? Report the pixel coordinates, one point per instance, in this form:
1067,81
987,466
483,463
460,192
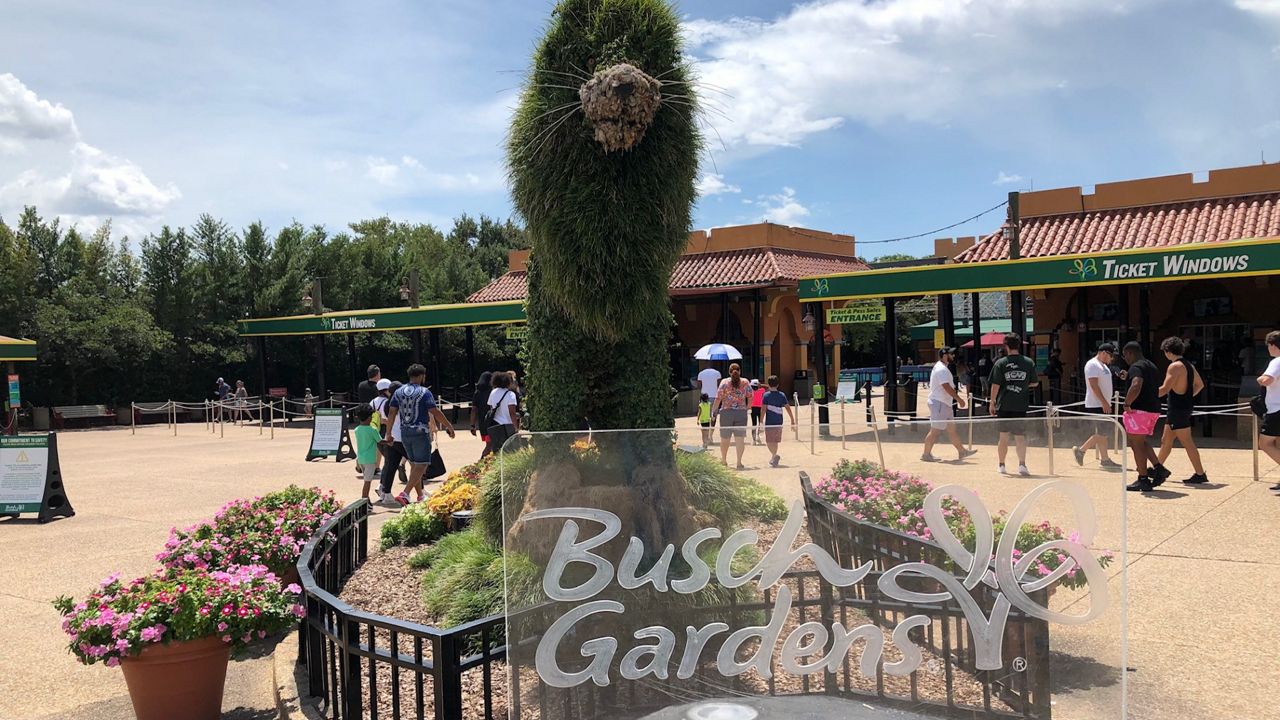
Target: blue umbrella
717,351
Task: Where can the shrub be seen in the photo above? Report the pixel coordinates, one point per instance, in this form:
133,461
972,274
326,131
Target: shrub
269,530
415,525
445,502
724,493
895,500
508,476
119,620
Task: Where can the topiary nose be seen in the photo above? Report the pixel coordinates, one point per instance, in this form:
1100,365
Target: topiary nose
624,90
620,101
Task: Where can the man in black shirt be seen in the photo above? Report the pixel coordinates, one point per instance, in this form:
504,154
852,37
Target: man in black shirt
368,390
1144,381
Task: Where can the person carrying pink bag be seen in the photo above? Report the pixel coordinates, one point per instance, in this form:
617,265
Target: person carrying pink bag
1142,399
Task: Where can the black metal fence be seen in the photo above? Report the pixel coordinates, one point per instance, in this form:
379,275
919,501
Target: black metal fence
364,665
1023,686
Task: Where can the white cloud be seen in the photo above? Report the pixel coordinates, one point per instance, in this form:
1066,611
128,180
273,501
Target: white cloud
23,115
72,179
782,208
410,161
1003,178
381,171
1261,7
714,184
827,62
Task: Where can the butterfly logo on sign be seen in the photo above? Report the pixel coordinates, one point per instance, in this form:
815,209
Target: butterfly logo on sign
1009,575
821,286
1084,269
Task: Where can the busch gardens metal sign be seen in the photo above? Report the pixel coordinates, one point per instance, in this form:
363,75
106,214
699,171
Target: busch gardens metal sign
1183,262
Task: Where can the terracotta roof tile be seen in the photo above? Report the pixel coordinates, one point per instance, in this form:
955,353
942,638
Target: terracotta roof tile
1196,221
712,272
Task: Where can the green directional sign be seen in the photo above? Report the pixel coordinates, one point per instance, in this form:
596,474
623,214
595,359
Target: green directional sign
15,350
1240,258
428,316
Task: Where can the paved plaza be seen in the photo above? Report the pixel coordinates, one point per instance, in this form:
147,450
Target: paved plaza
1203,564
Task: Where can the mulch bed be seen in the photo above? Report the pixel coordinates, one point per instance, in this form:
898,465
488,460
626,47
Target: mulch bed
386,585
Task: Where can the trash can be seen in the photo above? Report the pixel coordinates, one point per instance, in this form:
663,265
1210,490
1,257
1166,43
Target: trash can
908,395
824,415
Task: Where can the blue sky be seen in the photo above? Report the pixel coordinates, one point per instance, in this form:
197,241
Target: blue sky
877,119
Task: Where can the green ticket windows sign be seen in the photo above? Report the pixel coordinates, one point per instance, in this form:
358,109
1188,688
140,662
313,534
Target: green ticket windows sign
855,315
429,316
519,333
1239,258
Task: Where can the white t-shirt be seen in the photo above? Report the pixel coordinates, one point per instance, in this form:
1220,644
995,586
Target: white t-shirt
508,400
939,376
1273,390
709,379
1096,369
379,405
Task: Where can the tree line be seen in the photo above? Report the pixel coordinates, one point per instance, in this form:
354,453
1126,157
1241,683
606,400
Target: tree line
118,321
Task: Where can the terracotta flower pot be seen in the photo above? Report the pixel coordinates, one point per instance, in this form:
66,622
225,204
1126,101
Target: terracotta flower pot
178,680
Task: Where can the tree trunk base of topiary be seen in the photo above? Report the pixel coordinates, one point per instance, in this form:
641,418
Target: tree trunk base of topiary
178,680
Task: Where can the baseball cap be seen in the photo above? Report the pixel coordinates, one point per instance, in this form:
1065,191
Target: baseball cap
1107,347
383,384
755,383
946,350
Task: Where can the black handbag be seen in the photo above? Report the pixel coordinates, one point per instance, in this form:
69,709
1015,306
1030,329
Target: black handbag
436,468
1259,403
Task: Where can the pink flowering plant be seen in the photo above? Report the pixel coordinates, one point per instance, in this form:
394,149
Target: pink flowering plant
120,619
270,530
891,499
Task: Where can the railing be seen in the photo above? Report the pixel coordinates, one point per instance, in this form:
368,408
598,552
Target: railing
1026,638
359,662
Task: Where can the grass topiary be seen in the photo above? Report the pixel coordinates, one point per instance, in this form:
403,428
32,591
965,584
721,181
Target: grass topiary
415,525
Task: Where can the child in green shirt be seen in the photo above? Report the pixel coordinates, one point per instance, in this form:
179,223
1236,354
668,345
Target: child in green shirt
367,437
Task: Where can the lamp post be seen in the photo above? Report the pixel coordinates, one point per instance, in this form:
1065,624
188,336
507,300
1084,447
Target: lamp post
409,294
313,298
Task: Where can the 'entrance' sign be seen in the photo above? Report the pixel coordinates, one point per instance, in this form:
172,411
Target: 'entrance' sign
856,314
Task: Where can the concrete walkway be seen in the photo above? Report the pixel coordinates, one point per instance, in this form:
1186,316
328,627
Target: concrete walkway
1203,568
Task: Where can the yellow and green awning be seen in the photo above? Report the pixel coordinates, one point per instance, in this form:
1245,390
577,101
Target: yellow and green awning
1238,258
381,320
15,350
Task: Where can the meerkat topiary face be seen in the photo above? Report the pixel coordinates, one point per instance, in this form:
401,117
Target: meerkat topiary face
620,102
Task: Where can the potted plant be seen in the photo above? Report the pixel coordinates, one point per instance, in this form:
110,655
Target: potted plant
172,632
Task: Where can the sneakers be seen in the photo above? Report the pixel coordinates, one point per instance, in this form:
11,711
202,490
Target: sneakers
403,499
1109,465
773,462
928,457
1023,471
1159,474
1197,479
1142,484
1079,455
1002,470
967,453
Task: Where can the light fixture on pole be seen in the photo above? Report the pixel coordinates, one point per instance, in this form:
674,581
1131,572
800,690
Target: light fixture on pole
809,321
404,292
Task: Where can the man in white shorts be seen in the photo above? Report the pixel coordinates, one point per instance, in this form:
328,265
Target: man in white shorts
942,390
1097,401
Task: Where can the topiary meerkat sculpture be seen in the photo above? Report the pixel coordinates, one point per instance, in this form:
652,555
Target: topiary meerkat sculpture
602,156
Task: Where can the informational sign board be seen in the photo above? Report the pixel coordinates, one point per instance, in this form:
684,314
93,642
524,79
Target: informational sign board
856,314
939,337
329,436
30,477
15,397
848,388
518,332
278,392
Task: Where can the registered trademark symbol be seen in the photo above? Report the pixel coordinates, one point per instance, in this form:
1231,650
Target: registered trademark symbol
1019,664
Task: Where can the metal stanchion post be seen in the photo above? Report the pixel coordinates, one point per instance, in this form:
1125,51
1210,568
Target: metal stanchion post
972,401
272,405
173,413
133,419
262,417
1048,422
222,426
1256,473
795,400
843,433
813,427
1115,411
875,428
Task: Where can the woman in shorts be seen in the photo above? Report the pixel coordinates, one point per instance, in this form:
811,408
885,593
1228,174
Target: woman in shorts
732,407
